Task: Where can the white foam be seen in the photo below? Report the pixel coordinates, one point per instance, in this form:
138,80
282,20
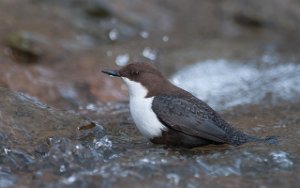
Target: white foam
225,84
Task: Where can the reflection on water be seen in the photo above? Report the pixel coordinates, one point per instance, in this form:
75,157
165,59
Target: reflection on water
225,84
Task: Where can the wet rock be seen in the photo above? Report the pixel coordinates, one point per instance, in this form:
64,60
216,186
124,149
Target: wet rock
62,84
140,14
262,13
117,160
26,46
3,83
27,123
99,11
245,20
6,180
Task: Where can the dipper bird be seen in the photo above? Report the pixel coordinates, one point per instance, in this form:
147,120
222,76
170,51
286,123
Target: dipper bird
167,114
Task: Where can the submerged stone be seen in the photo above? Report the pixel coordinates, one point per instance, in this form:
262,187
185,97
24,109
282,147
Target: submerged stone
98,11
26,46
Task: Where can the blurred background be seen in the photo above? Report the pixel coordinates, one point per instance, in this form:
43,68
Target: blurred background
54,49
241,57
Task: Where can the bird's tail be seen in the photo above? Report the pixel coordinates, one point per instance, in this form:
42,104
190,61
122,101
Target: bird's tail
239,138
270,140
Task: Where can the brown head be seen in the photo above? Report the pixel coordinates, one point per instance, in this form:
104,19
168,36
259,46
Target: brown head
145,74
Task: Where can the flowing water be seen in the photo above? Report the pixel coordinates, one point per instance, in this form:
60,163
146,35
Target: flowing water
120,156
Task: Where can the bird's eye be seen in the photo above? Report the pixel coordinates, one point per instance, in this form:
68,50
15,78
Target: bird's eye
135,73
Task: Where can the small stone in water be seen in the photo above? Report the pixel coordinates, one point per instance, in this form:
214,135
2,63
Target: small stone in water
87,126
70,180
91,107
281,158
26,46
104,142
174,178
6,151
144,34
113,34
145,160
62,168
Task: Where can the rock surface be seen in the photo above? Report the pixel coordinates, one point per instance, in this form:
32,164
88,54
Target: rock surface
26,123
72,47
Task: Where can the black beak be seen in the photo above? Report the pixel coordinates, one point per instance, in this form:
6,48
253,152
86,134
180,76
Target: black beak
112,72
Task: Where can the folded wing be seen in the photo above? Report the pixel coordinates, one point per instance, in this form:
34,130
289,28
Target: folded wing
189,116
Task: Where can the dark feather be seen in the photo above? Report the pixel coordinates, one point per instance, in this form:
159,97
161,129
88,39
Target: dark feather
190,116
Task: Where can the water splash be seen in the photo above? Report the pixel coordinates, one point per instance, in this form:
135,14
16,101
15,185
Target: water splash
62,168
113,34
225,84
217,170
282,158
103,143
150,53
173,178
91,107
34,100
6,179
122,59
144,34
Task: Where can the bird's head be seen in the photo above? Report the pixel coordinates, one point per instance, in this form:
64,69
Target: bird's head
139,77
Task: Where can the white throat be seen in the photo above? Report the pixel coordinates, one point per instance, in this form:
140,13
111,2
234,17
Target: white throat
135,89
141,110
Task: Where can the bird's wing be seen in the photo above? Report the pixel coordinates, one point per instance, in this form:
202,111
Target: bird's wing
191,117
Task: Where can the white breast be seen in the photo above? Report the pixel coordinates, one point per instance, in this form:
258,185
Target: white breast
141,111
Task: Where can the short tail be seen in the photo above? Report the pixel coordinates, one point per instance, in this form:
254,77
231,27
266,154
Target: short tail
270,140
273,140
242,138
